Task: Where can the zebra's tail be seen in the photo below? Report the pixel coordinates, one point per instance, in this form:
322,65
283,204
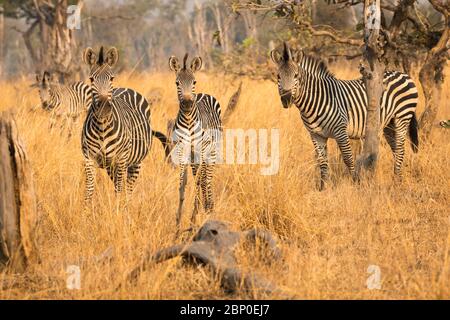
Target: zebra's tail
414,133
164,141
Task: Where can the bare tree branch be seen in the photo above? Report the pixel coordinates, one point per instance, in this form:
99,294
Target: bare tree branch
330,34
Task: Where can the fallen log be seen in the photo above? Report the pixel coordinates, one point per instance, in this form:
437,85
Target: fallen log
213,246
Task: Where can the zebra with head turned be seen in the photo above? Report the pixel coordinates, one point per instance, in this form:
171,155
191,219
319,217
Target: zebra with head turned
337,109
116,133
196,134
65,102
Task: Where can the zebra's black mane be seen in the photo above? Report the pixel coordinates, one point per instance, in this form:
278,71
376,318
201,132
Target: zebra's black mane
101,59
185,61
315,66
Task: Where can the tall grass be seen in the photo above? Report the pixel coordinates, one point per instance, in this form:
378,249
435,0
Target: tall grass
328,239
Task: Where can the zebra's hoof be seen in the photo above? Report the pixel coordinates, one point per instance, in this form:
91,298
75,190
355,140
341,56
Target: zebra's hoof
356,178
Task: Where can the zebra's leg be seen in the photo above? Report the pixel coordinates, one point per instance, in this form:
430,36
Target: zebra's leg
112,172
343,142
53,121
71,122
132,175
89,168
389,135
206,179
320,146
401,129
119,176
183,181
63,123
197,179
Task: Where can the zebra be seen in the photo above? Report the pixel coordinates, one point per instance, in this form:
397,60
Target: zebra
197,134
337,109
72,100
116,133
66,102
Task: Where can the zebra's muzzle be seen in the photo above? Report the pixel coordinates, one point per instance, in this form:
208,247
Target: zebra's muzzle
286,99
103,98
187,101
188,97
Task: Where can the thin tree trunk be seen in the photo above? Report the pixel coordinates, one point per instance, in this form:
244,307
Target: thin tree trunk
250,22
2,42
432,89
223,33
373,72
200,33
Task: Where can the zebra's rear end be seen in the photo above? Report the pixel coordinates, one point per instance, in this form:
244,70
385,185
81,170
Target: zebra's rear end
400,97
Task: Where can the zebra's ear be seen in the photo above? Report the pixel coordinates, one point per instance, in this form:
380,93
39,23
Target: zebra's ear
112,56
174,65
196,64
37,84
46,79
297,55
275,56
89,57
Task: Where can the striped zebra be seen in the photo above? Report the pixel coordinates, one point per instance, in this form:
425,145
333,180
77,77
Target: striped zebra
116,133
337,109
72,100
196,134
65,102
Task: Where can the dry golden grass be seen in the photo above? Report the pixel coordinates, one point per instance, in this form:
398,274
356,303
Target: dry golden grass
328,238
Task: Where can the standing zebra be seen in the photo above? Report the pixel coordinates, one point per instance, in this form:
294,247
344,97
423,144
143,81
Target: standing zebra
116,133
65,102
197,134
333,108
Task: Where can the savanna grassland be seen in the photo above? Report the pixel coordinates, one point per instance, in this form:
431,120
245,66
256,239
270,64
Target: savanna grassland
328,239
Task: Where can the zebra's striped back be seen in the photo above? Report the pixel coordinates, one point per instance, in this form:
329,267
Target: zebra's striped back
122,132
76,98
326,102
64,100
200,128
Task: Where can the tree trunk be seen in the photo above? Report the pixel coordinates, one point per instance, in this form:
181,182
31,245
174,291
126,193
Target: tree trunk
373,72
2,42
223,33
54,50
432,89
199,33
250,21
18,212
431,78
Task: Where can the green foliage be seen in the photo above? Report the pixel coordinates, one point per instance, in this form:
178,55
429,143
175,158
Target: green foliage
360,26
248,42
